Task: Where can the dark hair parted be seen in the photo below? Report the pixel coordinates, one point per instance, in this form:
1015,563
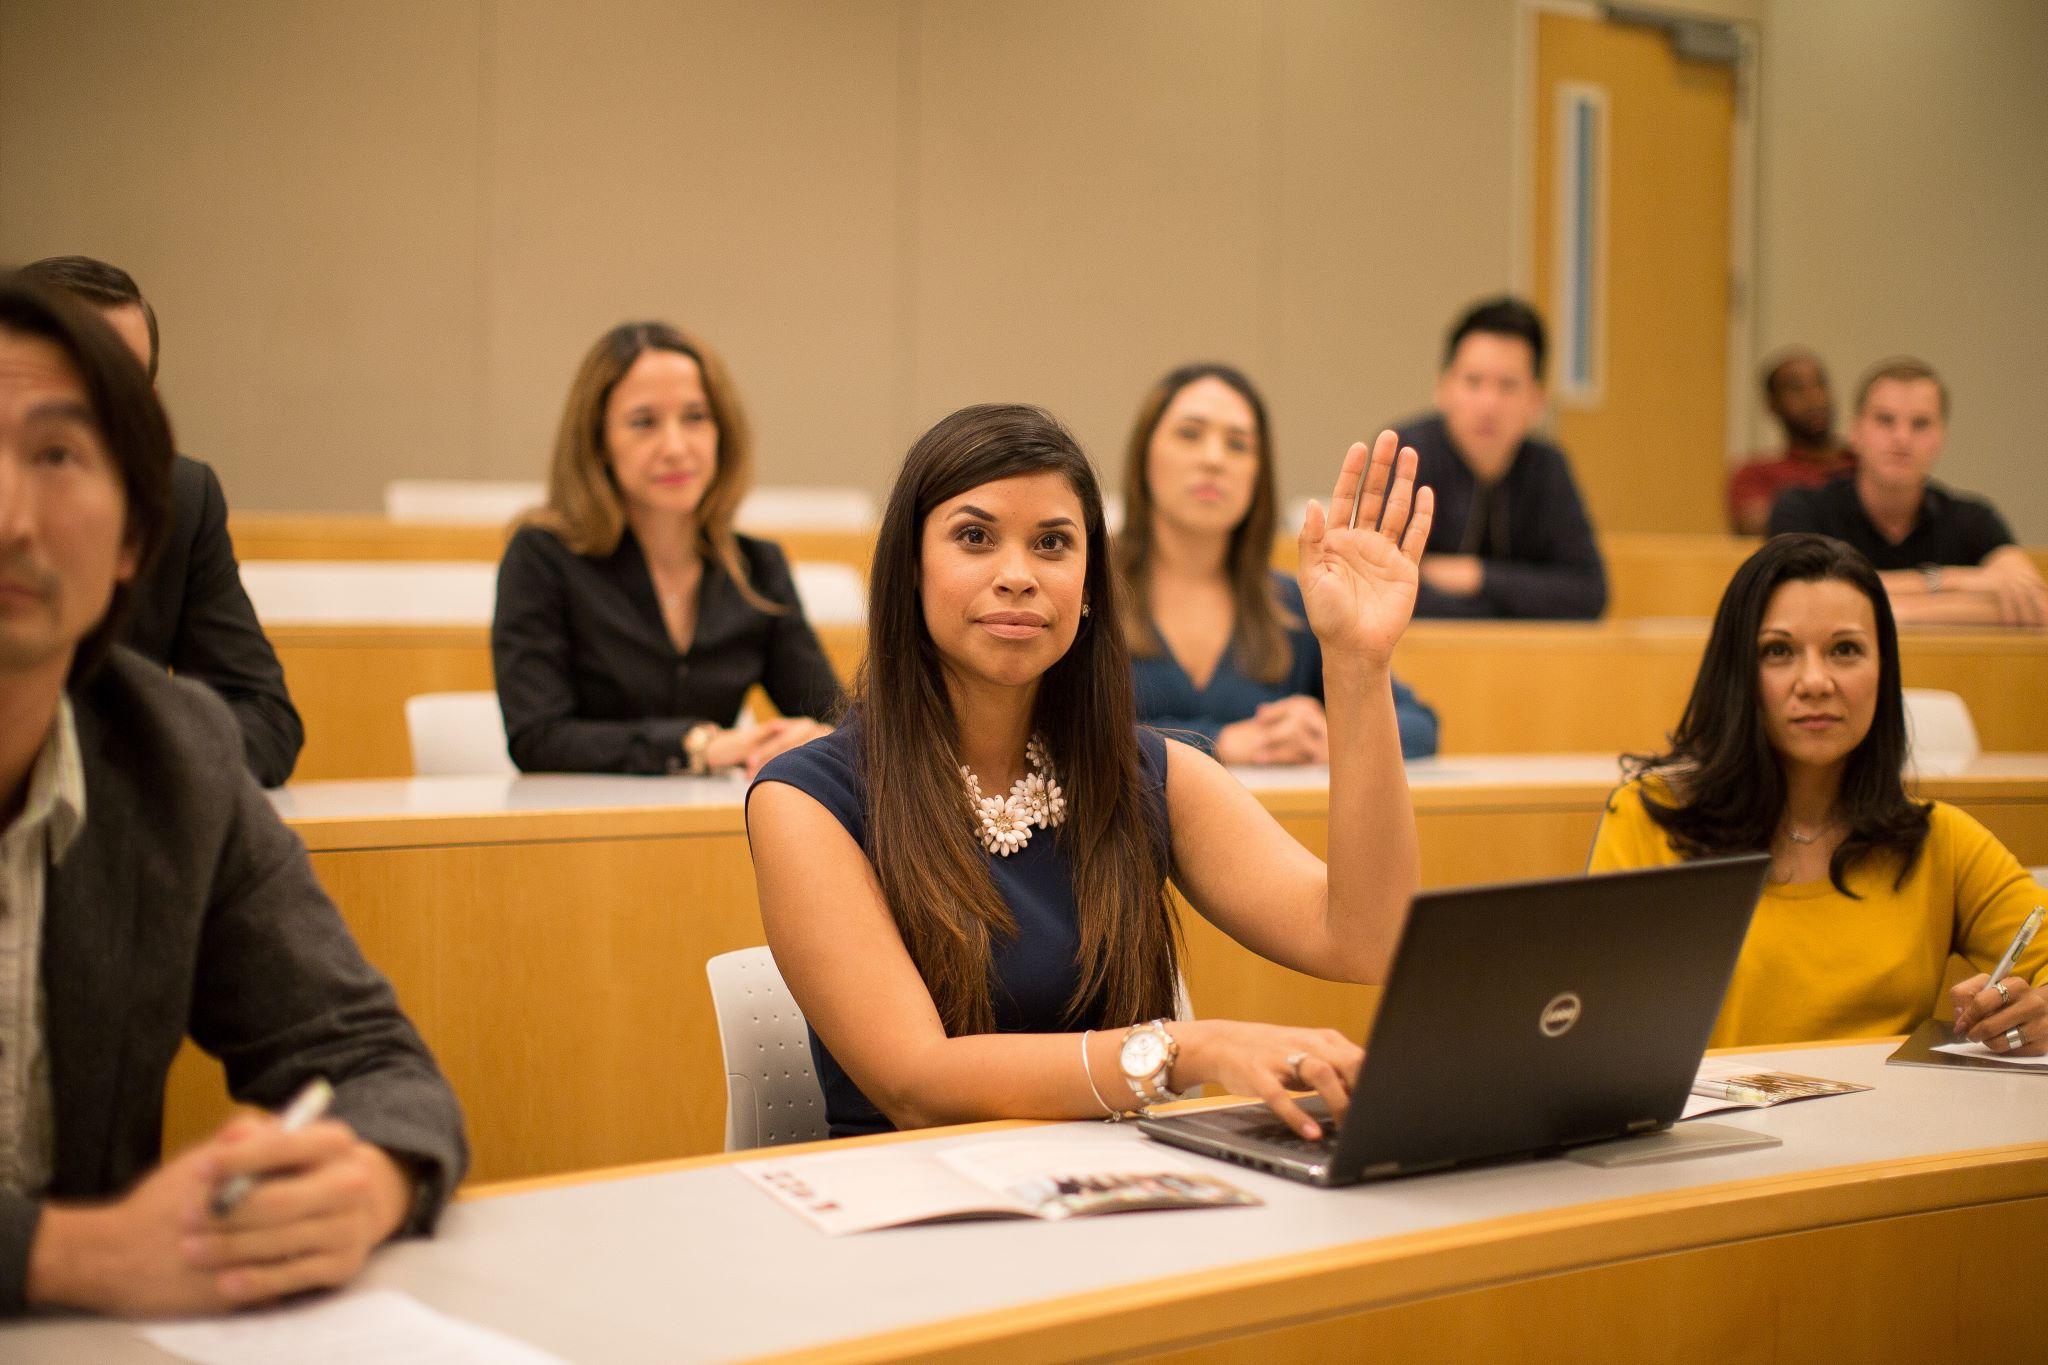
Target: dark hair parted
1505,316
584,507
1726,779
933,871
99,284
1260,622
131,424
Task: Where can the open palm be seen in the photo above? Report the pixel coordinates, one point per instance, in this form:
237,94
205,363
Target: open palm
1359,580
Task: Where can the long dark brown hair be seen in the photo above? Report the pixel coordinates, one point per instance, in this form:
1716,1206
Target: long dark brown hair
1726,780
1261,649
933,871
584,507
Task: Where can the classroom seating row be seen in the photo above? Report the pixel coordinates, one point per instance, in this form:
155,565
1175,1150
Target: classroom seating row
1498,687
549,934
1648,573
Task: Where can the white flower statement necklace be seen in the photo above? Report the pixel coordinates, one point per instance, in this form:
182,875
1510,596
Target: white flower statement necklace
1035,802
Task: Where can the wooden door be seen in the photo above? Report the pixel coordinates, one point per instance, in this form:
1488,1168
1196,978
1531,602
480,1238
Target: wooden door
1634,148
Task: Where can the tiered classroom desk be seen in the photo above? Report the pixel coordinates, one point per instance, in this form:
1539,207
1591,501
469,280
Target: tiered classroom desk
1888,1226
1499,687
549,934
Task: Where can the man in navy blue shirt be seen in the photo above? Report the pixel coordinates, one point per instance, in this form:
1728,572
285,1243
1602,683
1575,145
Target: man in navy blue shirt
1511,536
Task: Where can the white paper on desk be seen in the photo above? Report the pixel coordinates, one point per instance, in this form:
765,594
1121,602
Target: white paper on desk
374,1327
874,1187
1979,1052
866,1189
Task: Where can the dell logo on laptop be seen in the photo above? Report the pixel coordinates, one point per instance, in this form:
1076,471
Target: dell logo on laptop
1559,1015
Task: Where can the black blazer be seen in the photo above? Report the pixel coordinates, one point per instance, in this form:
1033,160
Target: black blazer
191,615
185,906
589,680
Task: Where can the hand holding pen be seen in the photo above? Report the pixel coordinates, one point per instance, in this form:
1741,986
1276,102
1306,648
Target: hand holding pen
2001,1010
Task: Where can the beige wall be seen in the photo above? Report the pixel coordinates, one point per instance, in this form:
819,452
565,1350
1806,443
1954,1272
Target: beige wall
381,234
1904,207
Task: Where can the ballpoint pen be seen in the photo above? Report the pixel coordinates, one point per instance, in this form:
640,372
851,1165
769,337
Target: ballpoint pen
308,1105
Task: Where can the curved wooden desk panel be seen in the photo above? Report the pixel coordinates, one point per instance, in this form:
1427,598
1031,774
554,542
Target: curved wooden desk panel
548,935
1502,687
1499,687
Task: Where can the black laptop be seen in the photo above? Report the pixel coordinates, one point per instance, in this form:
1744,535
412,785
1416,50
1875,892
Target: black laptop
1518,1019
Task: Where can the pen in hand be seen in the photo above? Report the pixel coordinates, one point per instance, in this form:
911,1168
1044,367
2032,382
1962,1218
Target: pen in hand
306,1107
2019,944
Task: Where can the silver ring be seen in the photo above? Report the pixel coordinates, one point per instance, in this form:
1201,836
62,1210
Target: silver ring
2014,1040
1294,1061
2004,998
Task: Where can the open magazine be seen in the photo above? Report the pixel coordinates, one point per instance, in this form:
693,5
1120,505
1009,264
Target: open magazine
891,1186
1726,1083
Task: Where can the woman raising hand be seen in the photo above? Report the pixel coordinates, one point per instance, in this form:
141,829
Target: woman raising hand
965,885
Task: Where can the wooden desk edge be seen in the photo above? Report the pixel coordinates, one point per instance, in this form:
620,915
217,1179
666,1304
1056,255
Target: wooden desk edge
1182,1311
436,830
327,833
1386,1272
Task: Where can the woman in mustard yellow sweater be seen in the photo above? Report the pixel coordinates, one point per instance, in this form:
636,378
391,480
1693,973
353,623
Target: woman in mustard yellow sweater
1793,742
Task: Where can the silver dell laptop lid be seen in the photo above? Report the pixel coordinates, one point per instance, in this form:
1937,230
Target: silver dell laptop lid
1521,1018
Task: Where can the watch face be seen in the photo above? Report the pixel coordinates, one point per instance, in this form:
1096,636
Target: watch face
1143,1054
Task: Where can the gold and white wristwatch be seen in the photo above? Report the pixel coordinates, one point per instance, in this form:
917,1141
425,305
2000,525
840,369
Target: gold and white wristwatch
1147,1059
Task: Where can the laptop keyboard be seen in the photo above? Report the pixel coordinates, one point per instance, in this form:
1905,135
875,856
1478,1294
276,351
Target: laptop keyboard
1260,1125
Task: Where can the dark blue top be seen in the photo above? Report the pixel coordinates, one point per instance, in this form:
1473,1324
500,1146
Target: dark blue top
1169,699
1032,976
1529,525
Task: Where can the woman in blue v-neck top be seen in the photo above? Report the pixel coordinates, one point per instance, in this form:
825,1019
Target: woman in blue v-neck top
1220,644
959,953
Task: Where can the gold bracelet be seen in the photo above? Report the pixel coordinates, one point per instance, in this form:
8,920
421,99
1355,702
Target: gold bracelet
1088,1070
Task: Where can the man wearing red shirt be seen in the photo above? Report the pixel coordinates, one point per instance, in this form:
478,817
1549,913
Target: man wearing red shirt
1796,388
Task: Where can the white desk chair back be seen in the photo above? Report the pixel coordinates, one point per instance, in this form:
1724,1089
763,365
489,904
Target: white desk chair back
457,734
772,1095
1940,736
471,502
310,592
832,594
772,508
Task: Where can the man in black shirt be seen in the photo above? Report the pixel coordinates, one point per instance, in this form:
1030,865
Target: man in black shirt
1511,537
1943,556
190,613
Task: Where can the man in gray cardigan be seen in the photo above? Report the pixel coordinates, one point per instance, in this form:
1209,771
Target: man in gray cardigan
148,892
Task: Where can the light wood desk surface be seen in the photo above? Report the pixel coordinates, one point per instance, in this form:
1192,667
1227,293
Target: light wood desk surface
1888,1226
313,535
549,934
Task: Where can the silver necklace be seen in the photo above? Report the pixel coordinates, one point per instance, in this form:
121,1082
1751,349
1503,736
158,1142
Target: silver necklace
1005,823
1800,836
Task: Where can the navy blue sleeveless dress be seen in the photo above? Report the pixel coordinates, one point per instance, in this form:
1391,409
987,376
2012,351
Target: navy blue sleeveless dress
1033,976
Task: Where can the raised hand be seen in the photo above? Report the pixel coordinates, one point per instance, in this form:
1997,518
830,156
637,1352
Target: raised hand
1358,580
